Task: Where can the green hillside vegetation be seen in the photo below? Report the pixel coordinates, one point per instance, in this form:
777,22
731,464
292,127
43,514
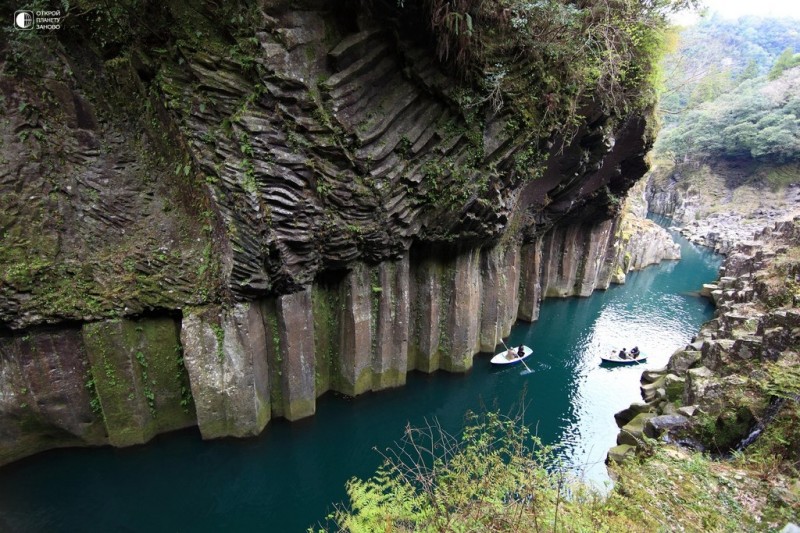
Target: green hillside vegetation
499,477
716,55
759,119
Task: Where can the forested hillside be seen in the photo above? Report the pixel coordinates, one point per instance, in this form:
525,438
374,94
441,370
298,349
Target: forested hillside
727,159
716,55
758,119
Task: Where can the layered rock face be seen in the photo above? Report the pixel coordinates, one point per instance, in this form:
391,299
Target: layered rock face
217,228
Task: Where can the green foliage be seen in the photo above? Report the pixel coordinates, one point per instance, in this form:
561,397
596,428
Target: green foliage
759,120
498,477
783,381
219,334
786,60
714,56
91,388
564,54
436,482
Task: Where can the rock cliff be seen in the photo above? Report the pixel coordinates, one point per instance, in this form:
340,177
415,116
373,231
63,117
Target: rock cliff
719,204
214,215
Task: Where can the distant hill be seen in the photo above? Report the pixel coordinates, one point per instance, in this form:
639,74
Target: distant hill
758,119
716,55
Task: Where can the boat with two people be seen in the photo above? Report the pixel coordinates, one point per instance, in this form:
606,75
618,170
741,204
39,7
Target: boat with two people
623,357
512,355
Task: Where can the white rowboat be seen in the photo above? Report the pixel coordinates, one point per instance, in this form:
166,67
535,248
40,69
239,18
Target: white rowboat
502,357
614,358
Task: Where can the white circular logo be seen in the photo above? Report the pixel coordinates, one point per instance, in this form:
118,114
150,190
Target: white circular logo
23,20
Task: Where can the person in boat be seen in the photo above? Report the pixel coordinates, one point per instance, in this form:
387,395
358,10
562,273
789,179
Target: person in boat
510,354
635,352
521,351
623,354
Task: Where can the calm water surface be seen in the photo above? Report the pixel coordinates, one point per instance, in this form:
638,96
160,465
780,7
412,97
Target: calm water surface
287,479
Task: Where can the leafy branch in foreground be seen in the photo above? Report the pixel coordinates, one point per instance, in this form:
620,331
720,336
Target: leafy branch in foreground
497,476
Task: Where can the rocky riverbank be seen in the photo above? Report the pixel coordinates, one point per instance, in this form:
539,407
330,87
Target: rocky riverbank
739,377
724,204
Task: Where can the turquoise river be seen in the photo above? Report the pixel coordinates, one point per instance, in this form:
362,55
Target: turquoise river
288,478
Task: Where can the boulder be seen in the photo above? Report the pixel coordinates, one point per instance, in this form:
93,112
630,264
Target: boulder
658,425
682,361
626,415
650,392
697,381
633,432
707,289
620,453
715,354
651,376
748,347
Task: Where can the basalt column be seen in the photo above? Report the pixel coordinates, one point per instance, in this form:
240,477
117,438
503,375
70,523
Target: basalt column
138,377
531,284
356,341
44,396
499,282
373,351
462,302
572,259
390,354
297,361
426,305
225,355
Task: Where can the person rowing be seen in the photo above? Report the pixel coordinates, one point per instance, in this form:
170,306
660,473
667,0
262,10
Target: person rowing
635,352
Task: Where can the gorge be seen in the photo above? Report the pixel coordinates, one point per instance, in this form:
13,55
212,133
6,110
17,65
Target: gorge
289,477
216,216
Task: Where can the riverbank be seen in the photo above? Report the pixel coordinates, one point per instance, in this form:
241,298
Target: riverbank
719,205
732,392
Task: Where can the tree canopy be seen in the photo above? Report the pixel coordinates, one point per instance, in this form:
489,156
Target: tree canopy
760,120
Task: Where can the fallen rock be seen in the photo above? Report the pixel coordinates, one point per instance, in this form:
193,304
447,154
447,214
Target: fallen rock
682,361
658,425
626,415
633,432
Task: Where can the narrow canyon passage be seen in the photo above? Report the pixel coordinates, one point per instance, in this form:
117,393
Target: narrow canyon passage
287,478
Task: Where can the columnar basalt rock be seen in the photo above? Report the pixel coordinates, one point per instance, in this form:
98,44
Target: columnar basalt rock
297,367
324,204
531,290
46,393
357,331
391,336
426,298
462,297
500,273
225,355
139,381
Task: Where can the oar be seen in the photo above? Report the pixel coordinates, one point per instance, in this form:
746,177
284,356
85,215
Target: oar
524,372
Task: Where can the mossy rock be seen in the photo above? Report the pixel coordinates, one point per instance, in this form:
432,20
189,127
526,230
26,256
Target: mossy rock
621,453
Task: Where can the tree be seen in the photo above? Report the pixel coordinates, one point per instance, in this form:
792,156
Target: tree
786,60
